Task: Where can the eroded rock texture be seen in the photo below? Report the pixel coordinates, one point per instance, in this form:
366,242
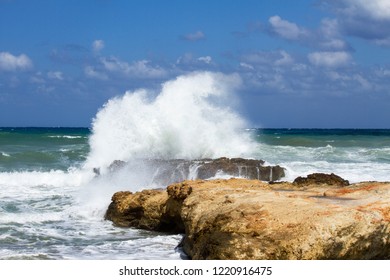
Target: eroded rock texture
250,219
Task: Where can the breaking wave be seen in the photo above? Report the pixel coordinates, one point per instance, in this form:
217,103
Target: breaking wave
190,118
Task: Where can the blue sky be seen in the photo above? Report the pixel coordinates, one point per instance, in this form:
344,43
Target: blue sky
318,63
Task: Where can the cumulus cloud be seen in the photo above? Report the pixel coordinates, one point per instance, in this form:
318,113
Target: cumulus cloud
285,29
329,59
285,59
266,59
327,37
205,59
91,72
10,62
55,75
196,36
369,20
98,45
374,9
191,62
330,37
139,69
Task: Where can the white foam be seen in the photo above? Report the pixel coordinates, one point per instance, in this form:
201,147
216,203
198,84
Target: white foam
54,178
190,118
66,136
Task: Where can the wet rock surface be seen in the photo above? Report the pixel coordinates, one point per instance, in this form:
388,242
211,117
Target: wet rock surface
250,219
165,172
321,178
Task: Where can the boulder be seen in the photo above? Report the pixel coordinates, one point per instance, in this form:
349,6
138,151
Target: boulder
321,178
250,219
142,210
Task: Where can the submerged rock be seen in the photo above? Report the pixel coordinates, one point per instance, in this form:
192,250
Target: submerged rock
250,219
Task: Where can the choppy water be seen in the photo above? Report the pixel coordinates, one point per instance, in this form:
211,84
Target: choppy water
49,208
52,204
355,154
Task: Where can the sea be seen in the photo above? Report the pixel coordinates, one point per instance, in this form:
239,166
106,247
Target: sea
53,200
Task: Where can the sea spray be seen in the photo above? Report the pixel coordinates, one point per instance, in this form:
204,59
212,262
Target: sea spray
191,118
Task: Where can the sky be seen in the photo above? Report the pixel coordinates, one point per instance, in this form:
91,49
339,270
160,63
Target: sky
303,64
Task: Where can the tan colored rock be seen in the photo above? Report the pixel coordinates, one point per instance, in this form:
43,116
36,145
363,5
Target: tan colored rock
142,210
249,219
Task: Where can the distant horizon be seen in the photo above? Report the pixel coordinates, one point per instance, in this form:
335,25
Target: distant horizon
249,128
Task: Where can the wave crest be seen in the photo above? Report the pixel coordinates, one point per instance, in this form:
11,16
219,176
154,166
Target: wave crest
190,118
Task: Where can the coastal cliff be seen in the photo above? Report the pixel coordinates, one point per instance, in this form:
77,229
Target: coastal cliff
318,217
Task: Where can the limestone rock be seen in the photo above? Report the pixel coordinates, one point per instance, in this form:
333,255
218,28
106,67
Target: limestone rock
250,219
142,210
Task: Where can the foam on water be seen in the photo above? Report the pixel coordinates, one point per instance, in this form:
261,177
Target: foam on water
355,164
4,154
53,178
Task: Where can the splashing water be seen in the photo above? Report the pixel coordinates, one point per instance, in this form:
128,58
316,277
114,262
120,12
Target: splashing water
190,118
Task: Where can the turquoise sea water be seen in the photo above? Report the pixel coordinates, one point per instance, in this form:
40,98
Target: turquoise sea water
52,205
43,149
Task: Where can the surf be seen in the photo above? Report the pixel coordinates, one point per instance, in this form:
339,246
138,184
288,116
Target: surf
190,117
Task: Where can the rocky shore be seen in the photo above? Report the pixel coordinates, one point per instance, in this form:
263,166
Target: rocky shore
318,217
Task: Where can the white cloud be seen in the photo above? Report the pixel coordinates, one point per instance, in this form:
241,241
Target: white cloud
246,66
285,59
267,59
198,35
385,42
329,59
285,29
113,64
55,75
367,19
139,69
205,59
189,61
330,37
10,62
144,70
37,79
362,81
375,9
327,37
90,72
98,45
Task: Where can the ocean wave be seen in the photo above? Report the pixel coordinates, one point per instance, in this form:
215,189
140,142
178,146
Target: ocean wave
67,136
190,118
15,181
5,154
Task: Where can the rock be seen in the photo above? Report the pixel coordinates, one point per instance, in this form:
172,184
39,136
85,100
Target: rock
321,178
143,210
238,167
116,165
250,219
165,172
